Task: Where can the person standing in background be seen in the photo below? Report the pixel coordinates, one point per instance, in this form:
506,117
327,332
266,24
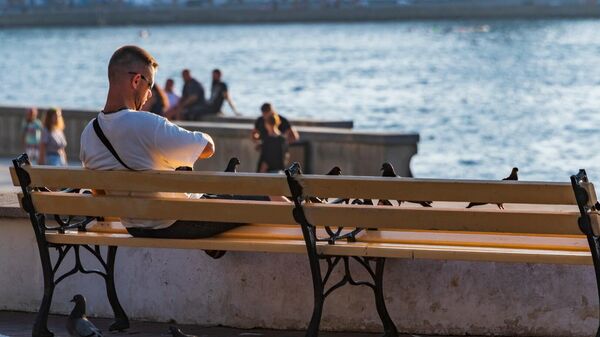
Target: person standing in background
284,125
219,94
274,148
53,141
260,132
32,131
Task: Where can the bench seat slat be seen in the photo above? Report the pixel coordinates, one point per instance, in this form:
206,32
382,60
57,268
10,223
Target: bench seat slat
440,238
472,239
317,185
410,251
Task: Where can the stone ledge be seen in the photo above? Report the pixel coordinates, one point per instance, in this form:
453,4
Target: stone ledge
9,206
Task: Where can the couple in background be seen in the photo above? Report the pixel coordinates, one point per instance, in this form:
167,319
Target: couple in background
45,142
272,134
193,105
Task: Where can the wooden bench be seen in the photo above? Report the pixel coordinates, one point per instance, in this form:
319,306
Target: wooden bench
542,223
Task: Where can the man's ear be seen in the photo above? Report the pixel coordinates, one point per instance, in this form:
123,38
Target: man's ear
135,80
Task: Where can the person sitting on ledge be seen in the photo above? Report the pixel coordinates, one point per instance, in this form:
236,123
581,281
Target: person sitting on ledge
144,141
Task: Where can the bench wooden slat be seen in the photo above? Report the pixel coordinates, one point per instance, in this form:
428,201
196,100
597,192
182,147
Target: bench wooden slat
162,181
341,249
508,221
438,190
473,239
163,208
440,238
317,185
214,243
474,220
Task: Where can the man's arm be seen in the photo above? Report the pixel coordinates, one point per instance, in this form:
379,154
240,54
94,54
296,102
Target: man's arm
208,151
230,102
292,135
184,103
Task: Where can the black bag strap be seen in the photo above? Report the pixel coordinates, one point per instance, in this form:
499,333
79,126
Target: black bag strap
106,143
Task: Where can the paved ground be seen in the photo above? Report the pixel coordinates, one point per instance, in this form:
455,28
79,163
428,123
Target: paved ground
18,324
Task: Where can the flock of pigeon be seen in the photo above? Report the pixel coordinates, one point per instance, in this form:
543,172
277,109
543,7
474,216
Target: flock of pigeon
388,171
79,326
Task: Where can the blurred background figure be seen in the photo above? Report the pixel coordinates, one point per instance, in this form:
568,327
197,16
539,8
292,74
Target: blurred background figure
170,91
53,141
274,147
286,129
282,125
158,103
192,104
219,94
32,132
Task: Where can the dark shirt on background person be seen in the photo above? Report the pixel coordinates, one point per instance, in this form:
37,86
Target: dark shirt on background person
218,90
283,127
193,88
273,153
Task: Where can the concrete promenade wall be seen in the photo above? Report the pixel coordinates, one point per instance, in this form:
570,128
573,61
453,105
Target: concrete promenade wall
274,291
357,153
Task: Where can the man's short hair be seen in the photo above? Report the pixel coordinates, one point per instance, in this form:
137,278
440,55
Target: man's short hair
127,57
217,71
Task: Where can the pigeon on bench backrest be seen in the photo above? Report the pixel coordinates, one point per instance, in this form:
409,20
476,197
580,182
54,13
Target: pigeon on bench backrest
513,176
388,171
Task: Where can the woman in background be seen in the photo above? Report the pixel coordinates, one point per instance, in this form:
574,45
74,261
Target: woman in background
158,103
53,142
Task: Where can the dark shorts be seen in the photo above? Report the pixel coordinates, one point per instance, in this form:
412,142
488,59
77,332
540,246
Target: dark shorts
183,229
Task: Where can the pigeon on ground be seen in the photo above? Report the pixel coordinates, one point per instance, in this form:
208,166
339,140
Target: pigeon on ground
177,333
513,176
232,165
77,324
388,171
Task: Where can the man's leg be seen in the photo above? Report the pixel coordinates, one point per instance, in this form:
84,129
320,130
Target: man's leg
185,230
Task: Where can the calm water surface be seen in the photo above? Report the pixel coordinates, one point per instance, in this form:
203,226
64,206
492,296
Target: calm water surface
484,96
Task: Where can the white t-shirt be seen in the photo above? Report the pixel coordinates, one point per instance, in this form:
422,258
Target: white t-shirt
143,141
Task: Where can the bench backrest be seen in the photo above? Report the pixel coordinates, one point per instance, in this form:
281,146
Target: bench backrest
546,207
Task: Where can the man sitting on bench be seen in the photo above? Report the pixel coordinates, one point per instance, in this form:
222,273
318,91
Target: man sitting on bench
122,137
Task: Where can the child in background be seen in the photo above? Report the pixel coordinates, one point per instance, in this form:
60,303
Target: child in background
274,149
32,132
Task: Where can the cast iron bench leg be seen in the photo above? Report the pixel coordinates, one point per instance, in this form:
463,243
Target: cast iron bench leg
121,320
389,327
40,327
594,242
